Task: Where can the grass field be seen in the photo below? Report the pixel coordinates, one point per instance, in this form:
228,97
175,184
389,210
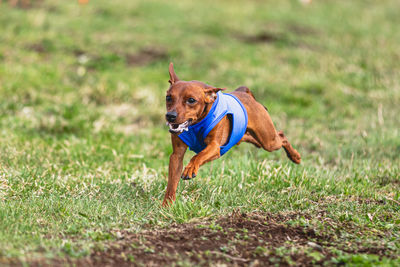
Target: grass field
84,147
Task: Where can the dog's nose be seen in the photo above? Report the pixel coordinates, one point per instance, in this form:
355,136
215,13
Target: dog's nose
171,116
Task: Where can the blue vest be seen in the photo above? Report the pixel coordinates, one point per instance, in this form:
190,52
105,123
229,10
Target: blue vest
225,104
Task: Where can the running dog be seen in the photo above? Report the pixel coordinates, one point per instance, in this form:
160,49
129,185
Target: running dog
210,122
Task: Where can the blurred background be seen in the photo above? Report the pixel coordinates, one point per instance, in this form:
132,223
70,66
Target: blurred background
327,70
83,141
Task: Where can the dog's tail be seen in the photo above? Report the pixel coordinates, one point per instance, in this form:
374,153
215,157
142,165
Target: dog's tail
291,153
247,91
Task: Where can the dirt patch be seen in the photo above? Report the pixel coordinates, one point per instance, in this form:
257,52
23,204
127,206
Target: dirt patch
145,56
38,48
258,239
301,29
239,239
41,47
265,37
291,35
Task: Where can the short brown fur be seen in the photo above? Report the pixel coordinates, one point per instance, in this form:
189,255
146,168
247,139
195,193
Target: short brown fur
260,129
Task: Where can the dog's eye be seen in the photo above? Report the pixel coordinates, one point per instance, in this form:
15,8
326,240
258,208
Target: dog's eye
191,100
168,98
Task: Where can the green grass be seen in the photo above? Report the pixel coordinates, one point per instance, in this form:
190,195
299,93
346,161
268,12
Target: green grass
83,145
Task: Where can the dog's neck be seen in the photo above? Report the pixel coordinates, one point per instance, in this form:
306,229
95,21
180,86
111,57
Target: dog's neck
206,110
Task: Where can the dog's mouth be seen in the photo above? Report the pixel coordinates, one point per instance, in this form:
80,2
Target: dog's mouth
179,128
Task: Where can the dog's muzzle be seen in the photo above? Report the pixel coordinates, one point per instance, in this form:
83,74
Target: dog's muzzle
178,128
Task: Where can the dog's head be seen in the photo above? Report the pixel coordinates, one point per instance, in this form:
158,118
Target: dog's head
187,102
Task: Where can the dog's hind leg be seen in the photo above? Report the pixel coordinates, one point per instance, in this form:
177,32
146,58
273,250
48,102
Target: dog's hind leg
263,130
274,143
260,128
249,139
291,153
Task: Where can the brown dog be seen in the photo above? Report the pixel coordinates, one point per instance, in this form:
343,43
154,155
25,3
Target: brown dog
189,103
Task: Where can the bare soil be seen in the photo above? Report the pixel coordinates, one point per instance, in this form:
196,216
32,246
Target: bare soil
257,239
145,56
264,37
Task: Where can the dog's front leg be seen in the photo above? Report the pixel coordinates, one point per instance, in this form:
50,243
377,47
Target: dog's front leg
211,152
175,168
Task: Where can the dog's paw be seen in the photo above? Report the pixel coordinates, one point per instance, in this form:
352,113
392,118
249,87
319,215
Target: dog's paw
166,203
187,177
189,172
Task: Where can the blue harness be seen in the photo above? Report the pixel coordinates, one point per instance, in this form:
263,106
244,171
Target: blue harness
225,104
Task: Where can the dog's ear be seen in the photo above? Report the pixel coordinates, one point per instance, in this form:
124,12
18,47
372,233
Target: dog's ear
172,76
211,94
